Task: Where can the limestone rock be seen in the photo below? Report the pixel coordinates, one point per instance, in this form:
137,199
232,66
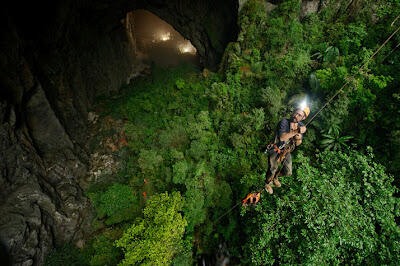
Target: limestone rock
308,7
36,210
56,58
46,131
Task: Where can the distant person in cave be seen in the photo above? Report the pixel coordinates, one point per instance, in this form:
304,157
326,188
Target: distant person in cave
289,134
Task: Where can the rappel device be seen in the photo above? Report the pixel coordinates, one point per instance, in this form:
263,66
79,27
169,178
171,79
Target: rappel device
254,197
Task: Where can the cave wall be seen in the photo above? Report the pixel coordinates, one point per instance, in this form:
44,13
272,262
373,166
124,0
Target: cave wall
56,57
209,25
53,63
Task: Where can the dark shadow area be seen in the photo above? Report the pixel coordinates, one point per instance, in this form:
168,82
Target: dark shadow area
57,57
4,256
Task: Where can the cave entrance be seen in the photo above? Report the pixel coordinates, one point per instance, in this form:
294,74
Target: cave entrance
158,42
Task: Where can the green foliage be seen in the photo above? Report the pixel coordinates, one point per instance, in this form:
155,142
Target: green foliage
328,54
156,238
67,253
333,139
117,203
272,98
149,161
339,209
180,83
203,135
387,8
331,78
351,39
184,257
313,81
102,250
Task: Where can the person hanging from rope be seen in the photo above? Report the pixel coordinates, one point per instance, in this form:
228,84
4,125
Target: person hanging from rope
289,134
300,129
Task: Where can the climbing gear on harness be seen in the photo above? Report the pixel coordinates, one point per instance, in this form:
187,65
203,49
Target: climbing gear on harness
281,151
284,148
252,197
287,147
273,147
329,101
282,156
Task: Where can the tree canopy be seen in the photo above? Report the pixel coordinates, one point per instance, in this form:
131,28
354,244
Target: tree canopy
156,238
337,209
198,138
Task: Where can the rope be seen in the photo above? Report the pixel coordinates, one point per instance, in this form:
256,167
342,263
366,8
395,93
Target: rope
348,80
228,211
383,60
258,191
395,20
328,102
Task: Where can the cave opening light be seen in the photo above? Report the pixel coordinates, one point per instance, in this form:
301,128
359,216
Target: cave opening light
157,41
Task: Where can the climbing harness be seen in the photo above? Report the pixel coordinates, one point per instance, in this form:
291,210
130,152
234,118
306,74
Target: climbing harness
274,147
289,147
281,150
359,70
255,196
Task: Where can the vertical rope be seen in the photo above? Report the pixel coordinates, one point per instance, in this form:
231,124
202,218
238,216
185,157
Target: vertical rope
349,79
330,100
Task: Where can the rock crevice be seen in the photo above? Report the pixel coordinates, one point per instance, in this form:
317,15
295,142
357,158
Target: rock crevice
56,57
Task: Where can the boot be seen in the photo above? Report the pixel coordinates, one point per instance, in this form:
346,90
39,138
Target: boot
268,188
276,182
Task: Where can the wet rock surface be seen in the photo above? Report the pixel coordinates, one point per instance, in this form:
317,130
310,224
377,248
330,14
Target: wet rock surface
106,138
56,57
49,78
41,204
309,7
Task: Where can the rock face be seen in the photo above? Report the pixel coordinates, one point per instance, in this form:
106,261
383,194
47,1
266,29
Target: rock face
209,25
41,204
309,6
56,57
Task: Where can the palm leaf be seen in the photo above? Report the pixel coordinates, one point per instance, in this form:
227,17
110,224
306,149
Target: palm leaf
327,141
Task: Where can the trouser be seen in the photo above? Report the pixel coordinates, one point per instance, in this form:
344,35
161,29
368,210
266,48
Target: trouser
273,166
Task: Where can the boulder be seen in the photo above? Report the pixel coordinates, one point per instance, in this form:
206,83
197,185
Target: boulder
309,7
56,58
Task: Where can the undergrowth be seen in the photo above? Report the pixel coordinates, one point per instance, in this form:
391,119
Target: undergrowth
200,137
